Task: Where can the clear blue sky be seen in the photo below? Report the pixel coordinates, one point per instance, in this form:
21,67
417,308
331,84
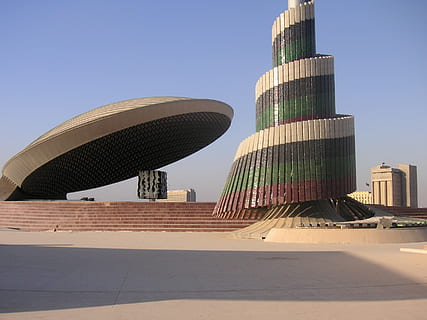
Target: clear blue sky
63,58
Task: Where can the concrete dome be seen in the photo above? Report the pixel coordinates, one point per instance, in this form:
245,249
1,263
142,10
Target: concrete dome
112,143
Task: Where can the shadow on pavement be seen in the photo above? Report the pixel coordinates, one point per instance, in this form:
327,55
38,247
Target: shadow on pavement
34,278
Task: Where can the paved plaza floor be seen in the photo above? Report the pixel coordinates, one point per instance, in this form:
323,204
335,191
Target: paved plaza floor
149,275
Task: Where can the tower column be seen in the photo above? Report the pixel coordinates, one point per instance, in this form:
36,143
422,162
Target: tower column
301,164
294,3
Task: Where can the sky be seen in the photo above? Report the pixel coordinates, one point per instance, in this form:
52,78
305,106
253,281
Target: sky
62,58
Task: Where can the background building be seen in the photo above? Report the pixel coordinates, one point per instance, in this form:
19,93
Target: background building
394,186
362,196
188,195
410,185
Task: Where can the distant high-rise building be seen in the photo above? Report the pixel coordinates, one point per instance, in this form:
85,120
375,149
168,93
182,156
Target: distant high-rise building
188,195
394,186
410,184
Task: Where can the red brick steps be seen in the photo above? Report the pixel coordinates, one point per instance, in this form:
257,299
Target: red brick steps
114,216
127,216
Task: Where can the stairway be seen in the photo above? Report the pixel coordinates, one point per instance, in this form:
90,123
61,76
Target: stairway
114,216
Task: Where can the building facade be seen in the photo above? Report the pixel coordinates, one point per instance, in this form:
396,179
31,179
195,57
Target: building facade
394,186
188,195
364,197
410,185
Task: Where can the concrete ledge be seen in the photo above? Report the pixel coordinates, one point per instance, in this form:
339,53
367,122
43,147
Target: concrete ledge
410,250
285,235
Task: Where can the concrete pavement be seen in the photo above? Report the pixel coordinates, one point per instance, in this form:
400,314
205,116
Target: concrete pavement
159,275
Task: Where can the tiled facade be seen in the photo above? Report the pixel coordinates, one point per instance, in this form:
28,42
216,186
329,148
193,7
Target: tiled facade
302,150
113,143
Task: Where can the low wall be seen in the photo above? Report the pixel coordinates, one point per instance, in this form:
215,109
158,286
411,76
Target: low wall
347,235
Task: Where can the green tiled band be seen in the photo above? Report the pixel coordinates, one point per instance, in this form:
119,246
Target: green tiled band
295,42
302,99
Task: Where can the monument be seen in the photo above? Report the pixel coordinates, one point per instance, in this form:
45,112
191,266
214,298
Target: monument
152,185
113,143
299,166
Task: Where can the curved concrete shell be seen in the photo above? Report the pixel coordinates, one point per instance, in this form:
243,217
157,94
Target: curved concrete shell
112,143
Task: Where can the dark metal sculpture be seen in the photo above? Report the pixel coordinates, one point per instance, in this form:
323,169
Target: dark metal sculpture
152,185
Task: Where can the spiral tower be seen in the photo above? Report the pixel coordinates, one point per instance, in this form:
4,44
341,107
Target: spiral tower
302,156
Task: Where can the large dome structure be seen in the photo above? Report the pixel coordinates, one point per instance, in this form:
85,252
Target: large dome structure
113,143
